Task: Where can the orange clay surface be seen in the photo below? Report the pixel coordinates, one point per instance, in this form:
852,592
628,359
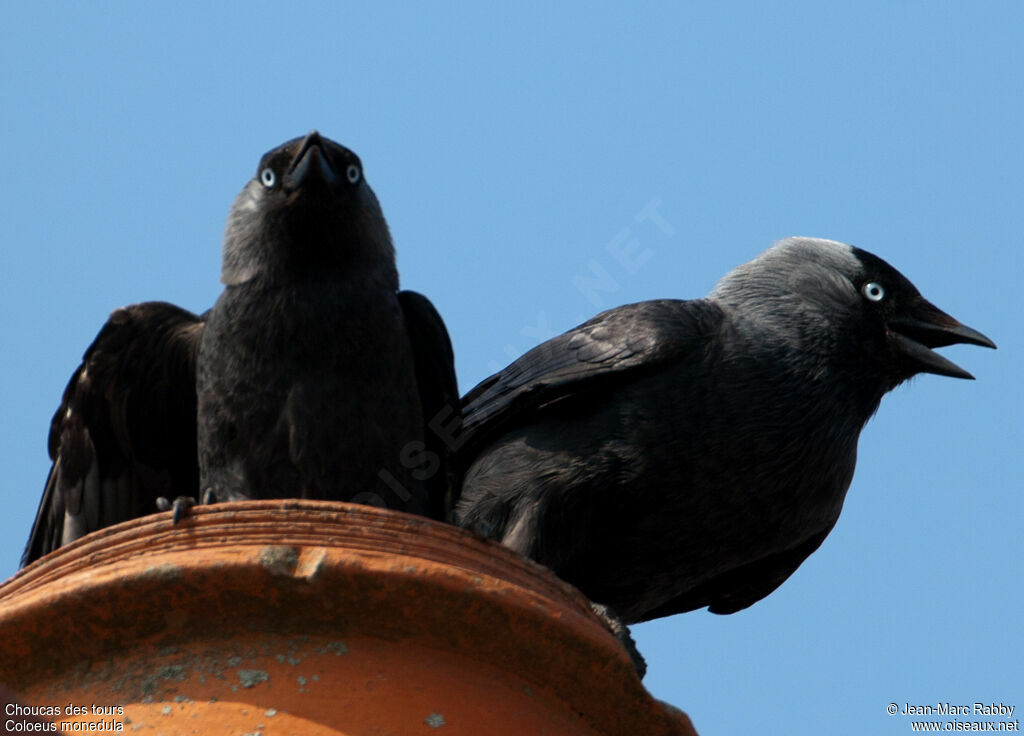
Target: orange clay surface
310,617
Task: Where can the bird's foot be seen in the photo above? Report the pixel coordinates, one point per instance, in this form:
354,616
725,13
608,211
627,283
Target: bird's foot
621,632
181,505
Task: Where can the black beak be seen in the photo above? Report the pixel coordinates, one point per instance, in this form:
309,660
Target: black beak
309,161
923,326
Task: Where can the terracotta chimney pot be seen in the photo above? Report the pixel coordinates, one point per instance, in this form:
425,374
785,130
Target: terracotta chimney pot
313,618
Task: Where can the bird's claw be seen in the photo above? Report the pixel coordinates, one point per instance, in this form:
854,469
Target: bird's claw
621,632
181,505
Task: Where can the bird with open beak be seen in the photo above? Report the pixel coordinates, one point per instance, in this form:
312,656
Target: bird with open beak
672,455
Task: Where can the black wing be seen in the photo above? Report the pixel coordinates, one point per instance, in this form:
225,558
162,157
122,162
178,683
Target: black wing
587,358
125,432
737,589
439,394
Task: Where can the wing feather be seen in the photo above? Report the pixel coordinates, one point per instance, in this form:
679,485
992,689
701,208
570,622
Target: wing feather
438,390
612,347
125,431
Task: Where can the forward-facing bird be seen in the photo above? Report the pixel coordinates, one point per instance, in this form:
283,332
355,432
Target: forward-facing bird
312,377
308,384
670,455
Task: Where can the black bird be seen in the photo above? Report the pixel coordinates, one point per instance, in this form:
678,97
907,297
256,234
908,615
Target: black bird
670,455
317,377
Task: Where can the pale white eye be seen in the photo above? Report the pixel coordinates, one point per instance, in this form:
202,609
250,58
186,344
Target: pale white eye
268,177
873,291
353,173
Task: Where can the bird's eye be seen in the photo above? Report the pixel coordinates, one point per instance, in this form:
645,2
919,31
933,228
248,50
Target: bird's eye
353,173
268,177
873,291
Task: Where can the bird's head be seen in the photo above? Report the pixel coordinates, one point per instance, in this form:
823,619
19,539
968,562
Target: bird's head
836,298
308,210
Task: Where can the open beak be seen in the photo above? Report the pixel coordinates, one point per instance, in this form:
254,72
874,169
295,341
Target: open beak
924,326
309,161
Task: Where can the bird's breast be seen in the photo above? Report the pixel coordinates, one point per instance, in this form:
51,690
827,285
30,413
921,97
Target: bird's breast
312,386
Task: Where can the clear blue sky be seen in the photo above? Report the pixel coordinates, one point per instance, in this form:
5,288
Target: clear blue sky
512,150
